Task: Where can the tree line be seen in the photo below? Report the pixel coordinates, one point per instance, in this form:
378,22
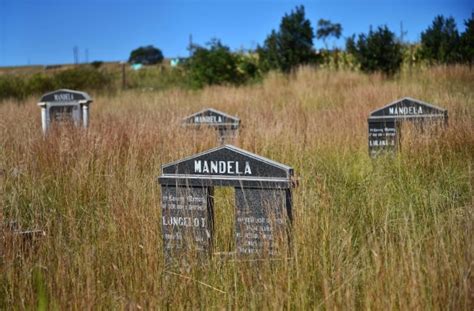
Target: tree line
292,45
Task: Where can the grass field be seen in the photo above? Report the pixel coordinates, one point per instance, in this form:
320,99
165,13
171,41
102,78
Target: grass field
391,233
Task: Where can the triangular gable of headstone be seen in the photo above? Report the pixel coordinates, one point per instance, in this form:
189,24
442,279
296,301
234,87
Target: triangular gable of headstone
228,165
211,117
407,108
64,96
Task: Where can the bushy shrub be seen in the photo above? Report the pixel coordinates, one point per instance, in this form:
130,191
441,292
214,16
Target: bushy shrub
217,65
337,60
97,64
39,83
12,87
247,66
412,56
81,78
157,78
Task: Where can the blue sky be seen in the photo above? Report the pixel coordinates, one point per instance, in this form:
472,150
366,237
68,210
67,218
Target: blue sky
45,31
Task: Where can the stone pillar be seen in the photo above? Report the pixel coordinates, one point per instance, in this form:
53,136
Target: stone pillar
44,119
85,115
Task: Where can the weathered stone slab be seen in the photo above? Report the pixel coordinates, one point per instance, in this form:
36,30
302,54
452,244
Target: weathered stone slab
61,114
187,219
382,137
262,221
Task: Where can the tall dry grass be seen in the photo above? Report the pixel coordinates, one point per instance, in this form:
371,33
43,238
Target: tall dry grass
391,233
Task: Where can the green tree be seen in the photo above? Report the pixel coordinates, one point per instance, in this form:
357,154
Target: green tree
377,51
215,64
327,29
146,55
467,41
291,45
440,42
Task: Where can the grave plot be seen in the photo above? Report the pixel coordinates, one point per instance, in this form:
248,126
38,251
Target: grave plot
263,202
227,126
384,124
64,106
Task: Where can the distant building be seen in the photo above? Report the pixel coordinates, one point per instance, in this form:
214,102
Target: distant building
174,62
136,66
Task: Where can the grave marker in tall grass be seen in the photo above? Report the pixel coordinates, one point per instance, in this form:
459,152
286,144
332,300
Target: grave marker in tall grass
63,106
262,202
384,123
226,125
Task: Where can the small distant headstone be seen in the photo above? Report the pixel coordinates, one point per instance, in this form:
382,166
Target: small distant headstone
11,230
226,125
262,203
384,123
65,106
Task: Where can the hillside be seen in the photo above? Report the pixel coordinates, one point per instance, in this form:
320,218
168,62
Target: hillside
391,233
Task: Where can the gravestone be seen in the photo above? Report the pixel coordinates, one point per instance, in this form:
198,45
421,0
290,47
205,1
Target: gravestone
64,106
384,123
227,126
262,203
22,239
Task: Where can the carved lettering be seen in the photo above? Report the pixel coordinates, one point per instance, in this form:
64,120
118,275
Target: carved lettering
405,110
221,167
207,119
63,97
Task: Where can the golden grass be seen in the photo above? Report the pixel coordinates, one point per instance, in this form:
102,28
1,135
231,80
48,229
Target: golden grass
391,233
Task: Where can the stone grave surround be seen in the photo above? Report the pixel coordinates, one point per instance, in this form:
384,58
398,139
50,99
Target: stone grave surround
262,203
226,125
65,105
384,123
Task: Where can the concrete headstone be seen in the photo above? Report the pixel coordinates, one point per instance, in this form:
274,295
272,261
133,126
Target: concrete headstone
262,202
384,123
226,125
65,106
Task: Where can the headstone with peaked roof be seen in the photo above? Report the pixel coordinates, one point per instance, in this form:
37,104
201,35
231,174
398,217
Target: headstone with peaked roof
384,123
227,126
63,106
262,202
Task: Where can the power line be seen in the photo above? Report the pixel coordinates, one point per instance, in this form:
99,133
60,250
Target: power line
75,52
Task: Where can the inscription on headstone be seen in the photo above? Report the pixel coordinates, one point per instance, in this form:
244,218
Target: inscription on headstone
384,123
382,135
227,126
187,218
64,106
262,202
261,220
